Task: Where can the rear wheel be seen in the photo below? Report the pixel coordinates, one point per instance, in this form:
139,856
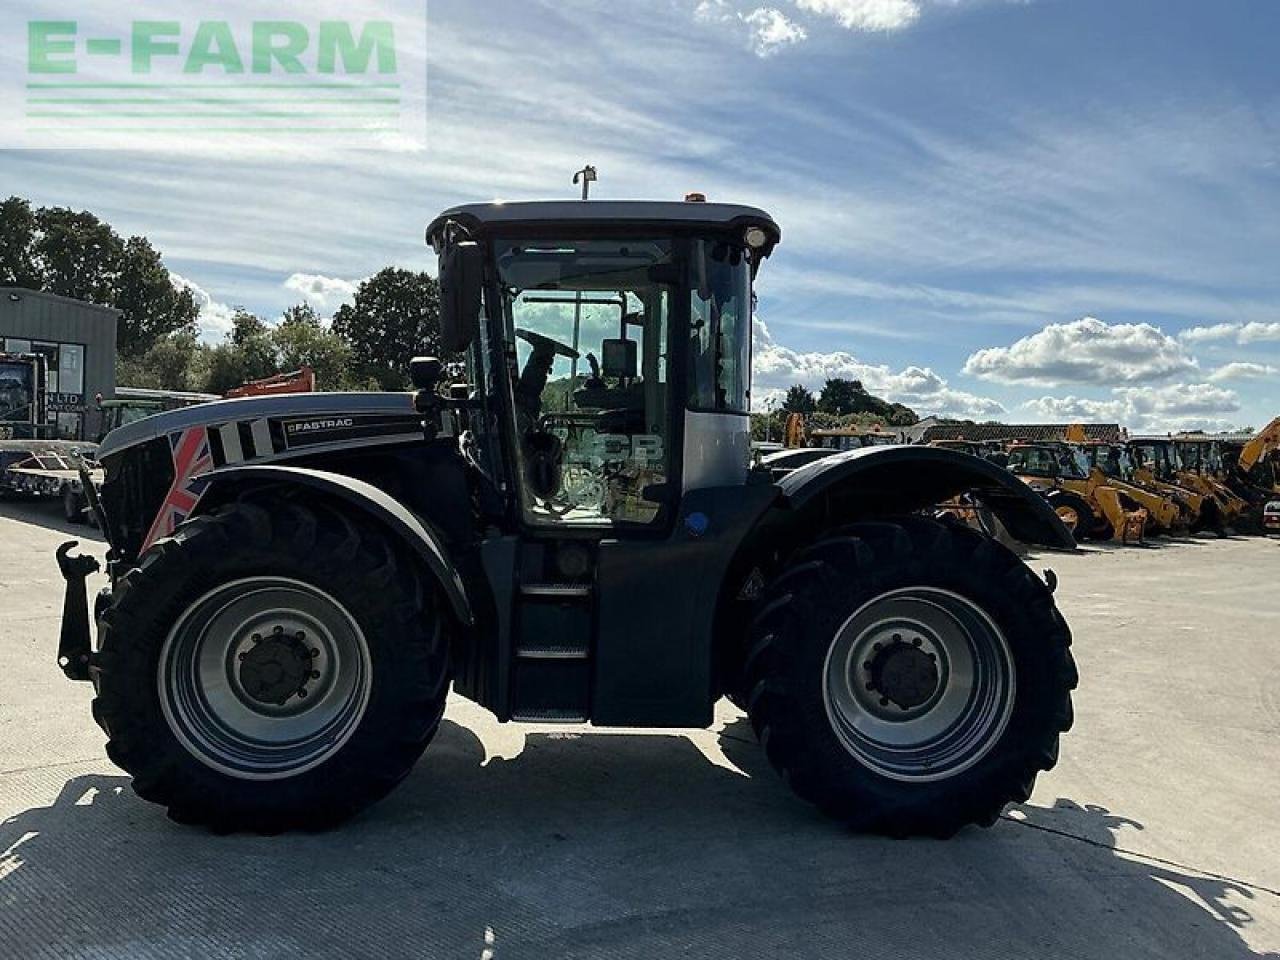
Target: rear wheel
910,677
272,665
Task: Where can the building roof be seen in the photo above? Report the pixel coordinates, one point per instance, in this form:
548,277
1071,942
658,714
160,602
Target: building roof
485,216
1035,432
24,292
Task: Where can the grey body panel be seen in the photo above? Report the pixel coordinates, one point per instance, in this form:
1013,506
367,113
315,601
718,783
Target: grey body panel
419,535
717,449
253,408
884,480
659,601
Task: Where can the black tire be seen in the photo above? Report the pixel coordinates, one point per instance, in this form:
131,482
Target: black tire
799,623
405,674
72,510
1067,504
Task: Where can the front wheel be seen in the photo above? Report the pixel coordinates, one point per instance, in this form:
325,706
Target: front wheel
910,677
273,665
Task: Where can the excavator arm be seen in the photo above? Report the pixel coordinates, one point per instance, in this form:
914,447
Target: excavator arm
1260,447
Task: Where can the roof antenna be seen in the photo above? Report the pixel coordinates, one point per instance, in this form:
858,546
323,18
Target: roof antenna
586,176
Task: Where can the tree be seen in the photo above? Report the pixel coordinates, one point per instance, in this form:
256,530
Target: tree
839,396
302,341
75,254
177,361
150,305
799,400
247,353
395,317
17,240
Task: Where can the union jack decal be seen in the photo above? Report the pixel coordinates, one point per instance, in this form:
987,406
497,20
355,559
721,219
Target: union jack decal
191,460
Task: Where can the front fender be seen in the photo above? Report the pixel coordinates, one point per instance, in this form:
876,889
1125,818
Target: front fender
880,481
230,482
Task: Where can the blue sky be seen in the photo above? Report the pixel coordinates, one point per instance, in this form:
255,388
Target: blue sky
961,183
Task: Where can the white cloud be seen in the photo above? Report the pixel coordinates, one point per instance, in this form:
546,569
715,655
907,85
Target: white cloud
771,30
215,317
1084,351
880,15
1180,406
1243,371
775,367
1242,333
324,293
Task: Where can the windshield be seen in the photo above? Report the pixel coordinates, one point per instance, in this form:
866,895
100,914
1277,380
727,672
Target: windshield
586,329
1033,461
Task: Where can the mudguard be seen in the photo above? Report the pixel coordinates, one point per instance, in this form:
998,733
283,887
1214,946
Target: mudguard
228,482
889,480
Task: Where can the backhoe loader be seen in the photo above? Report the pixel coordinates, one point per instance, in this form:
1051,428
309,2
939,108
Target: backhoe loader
1202,467
1155,466
1082,498
1115,466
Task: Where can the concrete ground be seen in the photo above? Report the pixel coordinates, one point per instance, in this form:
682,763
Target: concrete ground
1156,836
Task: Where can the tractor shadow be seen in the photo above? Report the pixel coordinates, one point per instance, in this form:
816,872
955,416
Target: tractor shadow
589,845
47,513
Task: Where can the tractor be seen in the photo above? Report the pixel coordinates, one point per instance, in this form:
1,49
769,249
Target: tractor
563,523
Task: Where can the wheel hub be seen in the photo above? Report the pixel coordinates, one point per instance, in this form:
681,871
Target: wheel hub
904,674
277,667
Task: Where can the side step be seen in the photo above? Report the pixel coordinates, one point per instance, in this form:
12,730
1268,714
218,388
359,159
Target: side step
552,668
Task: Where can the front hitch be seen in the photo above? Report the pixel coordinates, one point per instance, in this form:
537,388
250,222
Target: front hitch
74,644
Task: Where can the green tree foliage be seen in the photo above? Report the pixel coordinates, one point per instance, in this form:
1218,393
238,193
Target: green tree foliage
302,341
75,254
842,398
177,361
799,400
395,317
17,244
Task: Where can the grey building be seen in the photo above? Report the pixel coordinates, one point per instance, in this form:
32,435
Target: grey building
79,341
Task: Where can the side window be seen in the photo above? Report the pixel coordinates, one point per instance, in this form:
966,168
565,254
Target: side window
720,328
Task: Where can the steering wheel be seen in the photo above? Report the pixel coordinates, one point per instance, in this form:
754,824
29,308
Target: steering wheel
546,345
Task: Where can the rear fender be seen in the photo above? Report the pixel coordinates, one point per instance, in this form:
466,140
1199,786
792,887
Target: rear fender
229,483
883,481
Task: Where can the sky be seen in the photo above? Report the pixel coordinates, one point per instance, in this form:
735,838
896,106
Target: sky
1049,210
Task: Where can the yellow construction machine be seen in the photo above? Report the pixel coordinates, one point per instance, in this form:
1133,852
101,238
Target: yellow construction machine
1155,465
1202,468
1090,507
1114,468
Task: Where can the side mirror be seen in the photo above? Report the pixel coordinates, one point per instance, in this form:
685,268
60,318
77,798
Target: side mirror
619,358
461,281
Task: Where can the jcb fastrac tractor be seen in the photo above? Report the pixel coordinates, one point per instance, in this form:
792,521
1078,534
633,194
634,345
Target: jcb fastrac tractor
562,524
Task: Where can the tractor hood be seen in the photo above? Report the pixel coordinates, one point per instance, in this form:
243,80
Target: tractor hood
292,415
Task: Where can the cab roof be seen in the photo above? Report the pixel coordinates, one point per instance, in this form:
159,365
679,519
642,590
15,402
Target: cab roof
488,218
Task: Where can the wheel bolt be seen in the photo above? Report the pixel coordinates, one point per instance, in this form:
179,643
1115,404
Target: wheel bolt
877,647
279,630
301,636
302,693
243,655
884,701
315,674
257,638
918,642
897,638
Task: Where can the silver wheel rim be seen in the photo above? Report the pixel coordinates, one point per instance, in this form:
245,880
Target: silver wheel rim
939,733
215,706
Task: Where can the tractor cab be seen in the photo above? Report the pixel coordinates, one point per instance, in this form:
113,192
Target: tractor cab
1047,461
607,349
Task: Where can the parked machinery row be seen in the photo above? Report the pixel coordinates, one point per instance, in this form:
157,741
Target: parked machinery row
1121,490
